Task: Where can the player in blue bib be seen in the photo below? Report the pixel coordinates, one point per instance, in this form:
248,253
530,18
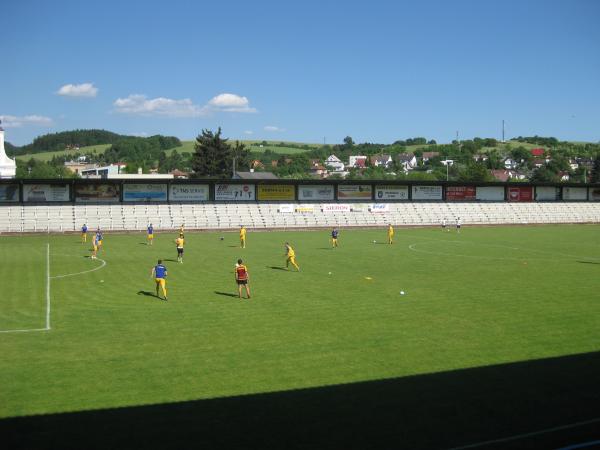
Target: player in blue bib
159,273
150,234
84,229
334,237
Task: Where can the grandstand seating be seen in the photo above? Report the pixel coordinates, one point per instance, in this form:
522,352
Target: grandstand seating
122,217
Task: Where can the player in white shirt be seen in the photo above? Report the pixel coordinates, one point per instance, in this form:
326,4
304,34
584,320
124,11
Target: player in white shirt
458,224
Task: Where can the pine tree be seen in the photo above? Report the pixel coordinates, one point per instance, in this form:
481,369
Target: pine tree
213,156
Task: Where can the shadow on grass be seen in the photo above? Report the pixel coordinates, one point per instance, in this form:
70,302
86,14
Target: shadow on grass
170,260
226,294
431,411
276,268
234,246
588,262
148,294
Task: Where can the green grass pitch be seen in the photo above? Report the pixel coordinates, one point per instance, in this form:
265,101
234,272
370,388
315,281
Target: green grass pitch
484,297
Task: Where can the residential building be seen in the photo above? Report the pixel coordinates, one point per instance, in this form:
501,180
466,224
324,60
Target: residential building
407,161
384,161
357,161
335,163
429,155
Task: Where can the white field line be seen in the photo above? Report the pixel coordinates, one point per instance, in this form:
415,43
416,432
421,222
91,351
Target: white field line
48,303
526,435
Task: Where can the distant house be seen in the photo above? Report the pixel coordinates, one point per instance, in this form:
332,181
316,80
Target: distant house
357,161
480,157
447,162
179,174
563,176
430,155
318,171
407,161
384,161
254,176
334,163
505,175
510,163
538,163
573,164
537,152
274,163
256,164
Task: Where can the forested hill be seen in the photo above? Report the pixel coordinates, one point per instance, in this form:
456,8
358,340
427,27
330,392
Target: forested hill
66,139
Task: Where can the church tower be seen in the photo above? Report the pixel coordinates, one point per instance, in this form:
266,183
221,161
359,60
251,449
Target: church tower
8,167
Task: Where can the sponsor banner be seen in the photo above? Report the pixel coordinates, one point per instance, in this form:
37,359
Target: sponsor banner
427,192
188,193
520,194
286,208
46,192
334,207
235,192
97,193
354,191
144,192
9,192
391,192
305,209
574,193
547,193
595,194
306,192
461,193
379,207
490,193
276,192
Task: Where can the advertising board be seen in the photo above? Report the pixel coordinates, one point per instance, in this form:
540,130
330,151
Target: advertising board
547,193
286,208
46,193
520,194
276,192
574,193
490,193
379,207
188,193
97,193
390,192
354,191
235,192
334,207
305,209
9,192
461,193
145,192
427,192
309,192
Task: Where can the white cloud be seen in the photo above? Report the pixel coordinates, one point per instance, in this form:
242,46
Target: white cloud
248,132
17,122
273,128
160,106
230,103
78,90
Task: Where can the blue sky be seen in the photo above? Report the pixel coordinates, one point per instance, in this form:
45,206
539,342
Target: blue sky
302,71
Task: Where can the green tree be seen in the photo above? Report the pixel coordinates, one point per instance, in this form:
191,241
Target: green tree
542,174
213,155
348,142
475,172
595,175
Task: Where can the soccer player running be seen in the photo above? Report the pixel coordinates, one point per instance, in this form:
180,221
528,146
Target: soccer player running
179,244
95,247
334,238
390,234
458,223
99,238
159,273
150,234
242,278
84,229
291,257
243,236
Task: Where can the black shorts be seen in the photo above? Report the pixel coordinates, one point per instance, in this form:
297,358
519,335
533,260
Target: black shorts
180,251
242,281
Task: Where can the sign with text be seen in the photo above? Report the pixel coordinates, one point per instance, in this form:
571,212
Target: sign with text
9,192
276,192
286,208
391,192
354,191
334,207
46,192
574,193
305,209
427,192
520,194
490,193
461,193
307,192
546,193
379,208
97,193
145,192
188,193
235,192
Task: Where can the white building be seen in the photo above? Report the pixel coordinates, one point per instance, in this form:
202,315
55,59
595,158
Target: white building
8,167
335,163
353,161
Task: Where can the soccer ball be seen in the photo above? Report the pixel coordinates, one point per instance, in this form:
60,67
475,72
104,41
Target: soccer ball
329,273
222,238
374,242
401,292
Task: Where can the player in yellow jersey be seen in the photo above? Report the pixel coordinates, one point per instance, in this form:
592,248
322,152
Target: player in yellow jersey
159,273
181,230
390,234
291,257
179,243
84,229
150,234
243,236
95,247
